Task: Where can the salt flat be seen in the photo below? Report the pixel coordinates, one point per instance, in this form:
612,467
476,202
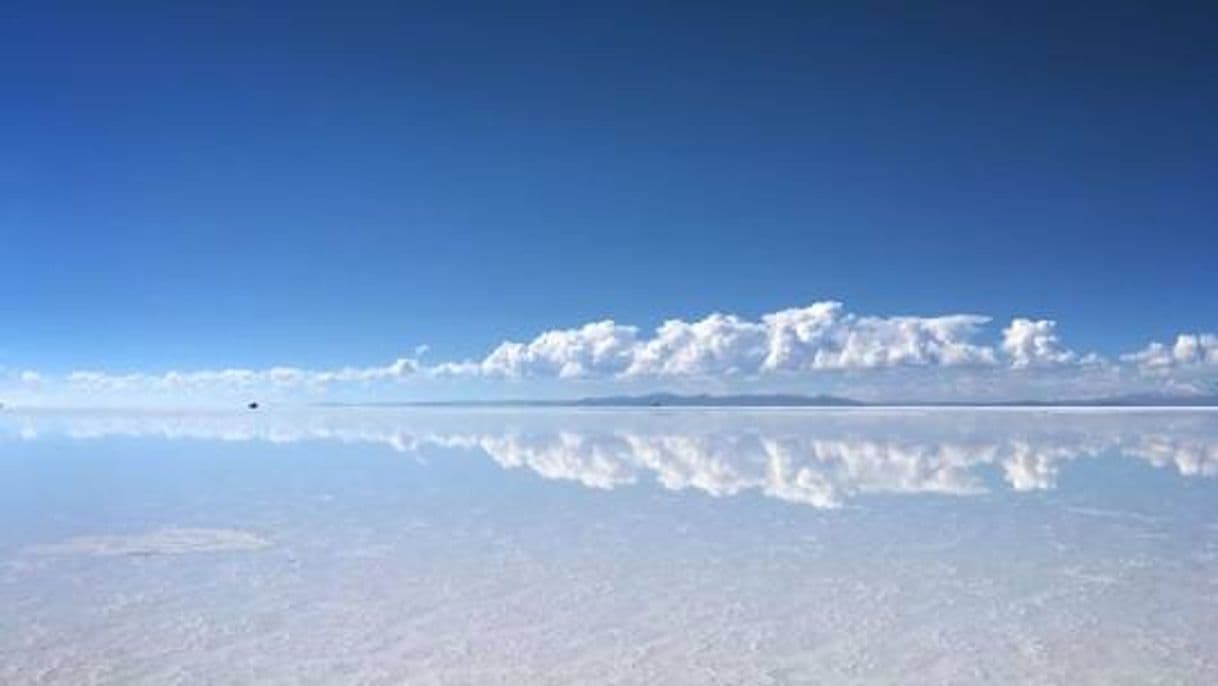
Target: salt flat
603,546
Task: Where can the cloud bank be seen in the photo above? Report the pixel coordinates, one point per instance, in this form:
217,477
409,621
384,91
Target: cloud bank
236,379
1190,351
820,337
822,341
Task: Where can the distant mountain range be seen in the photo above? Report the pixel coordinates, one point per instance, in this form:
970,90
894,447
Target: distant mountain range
704,400
1142,400
796,400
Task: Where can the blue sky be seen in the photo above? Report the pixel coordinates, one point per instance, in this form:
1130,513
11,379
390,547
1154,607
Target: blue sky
322,186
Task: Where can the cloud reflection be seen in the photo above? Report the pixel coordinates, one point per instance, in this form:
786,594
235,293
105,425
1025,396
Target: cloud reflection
818,458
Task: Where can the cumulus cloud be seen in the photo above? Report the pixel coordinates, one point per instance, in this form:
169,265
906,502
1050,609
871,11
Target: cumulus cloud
1026,358
821,336
1034,343
228,380
1190,351
825,336
718,344
596,349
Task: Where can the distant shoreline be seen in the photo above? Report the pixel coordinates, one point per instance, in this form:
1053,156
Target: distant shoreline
795,402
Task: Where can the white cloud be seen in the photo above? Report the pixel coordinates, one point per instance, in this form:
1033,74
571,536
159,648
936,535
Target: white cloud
822,336
716,345
1034,343
825,336
596,349
234,380
1190,351
870,356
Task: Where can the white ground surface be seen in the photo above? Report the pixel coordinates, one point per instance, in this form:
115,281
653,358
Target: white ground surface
620,548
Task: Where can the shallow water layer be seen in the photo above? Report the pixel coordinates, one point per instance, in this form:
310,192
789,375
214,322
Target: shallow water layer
609,546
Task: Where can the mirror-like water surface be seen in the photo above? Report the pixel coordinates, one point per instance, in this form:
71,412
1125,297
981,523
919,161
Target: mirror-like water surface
565,546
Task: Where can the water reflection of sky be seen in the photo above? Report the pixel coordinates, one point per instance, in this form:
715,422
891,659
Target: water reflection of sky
819,458
381,546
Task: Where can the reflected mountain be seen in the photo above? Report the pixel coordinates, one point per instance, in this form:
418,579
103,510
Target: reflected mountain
821,458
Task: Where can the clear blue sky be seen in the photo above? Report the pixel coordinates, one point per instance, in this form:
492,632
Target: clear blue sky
248,184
